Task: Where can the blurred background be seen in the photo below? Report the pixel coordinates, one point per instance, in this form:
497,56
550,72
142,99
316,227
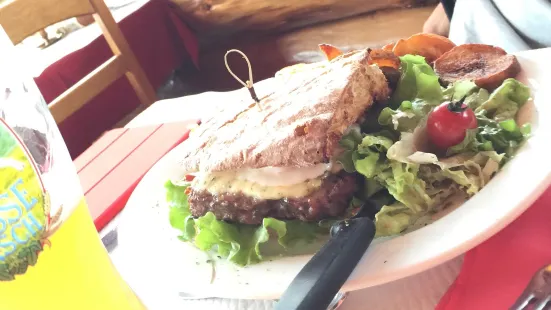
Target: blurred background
273,33
180,44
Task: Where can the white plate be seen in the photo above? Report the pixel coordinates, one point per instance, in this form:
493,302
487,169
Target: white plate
156,261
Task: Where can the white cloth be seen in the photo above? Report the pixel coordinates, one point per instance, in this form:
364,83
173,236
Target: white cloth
418,292
513,25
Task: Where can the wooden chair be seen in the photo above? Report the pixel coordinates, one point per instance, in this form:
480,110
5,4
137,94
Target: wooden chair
22,18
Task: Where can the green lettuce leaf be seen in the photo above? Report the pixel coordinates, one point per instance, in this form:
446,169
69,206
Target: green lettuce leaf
369,158
472,95
497,129
506,100
179,214
476,99
240,244
362,152
418,80
392,220
473,142
349,142
367,165
403,119
422,183
417,92
459,90
408,116
351,138
402,183
469,144
503,137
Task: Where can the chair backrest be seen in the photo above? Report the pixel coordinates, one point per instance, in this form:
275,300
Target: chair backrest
22,18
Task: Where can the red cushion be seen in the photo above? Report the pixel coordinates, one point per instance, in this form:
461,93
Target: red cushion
112,167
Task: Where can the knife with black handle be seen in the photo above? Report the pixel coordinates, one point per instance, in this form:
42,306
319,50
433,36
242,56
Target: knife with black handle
322,277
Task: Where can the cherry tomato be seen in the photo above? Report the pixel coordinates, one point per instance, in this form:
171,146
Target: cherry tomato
447,124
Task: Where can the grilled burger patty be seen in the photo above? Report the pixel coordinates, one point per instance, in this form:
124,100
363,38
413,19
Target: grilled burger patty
330,200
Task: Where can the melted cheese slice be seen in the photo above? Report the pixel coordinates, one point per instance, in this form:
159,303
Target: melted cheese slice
282,176
228,182
265,183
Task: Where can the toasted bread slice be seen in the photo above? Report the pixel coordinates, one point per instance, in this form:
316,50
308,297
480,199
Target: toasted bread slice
488,66
299,124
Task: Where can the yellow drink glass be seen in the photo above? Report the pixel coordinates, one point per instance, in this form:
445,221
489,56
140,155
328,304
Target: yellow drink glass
51,256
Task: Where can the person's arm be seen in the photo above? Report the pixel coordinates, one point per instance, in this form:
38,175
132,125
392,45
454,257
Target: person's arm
439,20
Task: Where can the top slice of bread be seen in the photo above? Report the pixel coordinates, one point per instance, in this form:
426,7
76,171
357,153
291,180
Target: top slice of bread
299,124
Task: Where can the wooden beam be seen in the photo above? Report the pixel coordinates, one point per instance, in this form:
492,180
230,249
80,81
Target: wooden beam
270,53
220,18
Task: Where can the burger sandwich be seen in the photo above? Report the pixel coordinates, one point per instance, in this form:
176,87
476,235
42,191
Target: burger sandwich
338,131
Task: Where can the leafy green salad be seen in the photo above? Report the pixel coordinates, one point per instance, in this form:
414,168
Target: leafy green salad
426,148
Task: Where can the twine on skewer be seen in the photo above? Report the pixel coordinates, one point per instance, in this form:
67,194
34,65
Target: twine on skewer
249,84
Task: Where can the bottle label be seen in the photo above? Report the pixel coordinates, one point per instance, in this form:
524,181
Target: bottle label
24,207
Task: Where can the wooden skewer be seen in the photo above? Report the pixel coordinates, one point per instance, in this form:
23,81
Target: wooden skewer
249,84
